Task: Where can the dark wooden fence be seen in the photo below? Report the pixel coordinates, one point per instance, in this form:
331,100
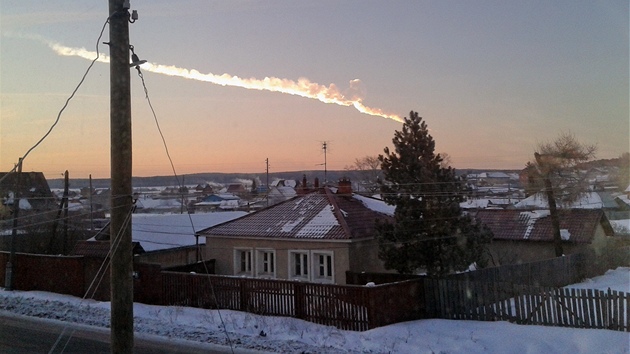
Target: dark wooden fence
554,272
349,307
523,304
354,307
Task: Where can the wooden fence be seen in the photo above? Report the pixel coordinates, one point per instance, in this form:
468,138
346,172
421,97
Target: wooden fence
522,304
553,272
348,307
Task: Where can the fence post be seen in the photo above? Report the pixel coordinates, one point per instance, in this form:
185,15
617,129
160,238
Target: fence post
243,297
371,301
298,300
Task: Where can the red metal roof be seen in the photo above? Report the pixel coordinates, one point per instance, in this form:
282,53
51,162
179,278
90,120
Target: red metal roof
535,225
322,215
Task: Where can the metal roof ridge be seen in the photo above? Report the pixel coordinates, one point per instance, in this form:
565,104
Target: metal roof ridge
337,210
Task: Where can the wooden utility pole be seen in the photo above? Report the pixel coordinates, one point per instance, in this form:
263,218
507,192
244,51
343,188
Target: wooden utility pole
325,148
121,190
267,191
91,206
9,270
66,189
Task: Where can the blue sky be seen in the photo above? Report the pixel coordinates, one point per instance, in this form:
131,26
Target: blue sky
492,79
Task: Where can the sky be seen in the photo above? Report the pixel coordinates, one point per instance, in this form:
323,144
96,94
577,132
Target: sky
290,335
492,80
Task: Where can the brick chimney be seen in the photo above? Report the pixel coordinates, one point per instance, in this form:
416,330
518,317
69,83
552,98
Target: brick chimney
316,183
344,186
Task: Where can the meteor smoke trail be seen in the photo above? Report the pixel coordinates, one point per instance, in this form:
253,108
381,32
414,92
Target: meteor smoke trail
303,87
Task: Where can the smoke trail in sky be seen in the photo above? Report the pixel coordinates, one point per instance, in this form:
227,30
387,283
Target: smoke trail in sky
303,87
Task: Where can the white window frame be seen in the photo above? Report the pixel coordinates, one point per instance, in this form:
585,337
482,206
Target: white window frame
305,271
261,262
327,267
238,261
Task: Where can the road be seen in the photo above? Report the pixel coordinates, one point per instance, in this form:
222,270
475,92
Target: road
22,334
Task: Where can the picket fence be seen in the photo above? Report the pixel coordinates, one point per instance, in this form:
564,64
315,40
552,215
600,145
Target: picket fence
523,304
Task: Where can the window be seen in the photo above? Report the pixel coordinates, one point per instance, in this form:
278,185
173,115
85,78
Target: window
298,264
243,261
323,266
266,263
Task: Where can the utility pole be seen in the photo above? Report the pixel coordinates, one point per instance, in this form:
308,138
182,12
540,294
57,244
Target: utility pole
8,278
91,206
181,190
325,148
66,187
267,192
121,171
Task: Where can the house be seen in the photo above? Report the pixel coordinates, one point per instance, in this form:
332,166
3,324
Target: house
34,193
37,210
166,239
236,189
204,189
527,235
279,194
218,201
314,237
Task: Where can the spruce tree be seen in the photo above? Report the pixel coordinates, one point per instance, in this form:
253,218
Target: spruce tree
429,232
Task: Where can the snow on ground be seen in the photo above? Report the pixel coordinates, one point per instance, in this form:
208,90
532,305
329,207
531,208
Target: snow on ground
281,334
618,280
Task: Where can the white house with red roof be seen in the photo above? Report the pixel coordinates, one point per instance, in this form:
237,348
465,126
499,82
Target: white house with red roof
314,237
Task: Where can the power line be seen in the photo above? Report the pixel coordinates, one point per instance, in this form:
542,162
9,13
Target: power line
66,103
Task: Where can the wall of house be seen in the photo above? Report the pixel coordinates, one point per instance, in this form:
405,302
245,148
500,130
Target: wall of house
522,251
364,257
223,249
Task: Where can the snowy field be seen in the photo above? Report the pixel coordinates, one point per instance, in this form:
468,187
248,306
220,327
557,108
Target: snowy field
287,335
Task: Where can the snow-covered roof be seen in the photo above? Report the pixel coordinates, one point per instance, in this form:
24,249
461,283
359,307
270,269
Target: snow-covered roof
579,225
318,215
376,205
163,231
624,199
622,226
158,203
482,203
590,200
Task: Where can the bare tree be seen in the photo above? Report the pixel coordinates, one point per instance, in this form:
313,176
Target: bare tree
555,171
446,160
368,171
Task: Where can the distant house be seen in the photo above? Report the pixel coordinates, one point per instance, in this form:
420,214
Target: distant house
204,189
279,194
314,237
226,201
492,178
524,236
236,189
33,191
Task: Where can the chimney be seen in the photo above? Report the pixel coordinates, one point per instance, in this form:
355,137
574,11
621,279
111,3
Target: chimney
316,183
344,186
304,181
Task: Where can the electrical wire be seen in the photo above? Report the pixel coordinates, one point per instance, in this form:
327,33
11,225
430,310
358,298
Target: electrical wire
65,104
146,91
